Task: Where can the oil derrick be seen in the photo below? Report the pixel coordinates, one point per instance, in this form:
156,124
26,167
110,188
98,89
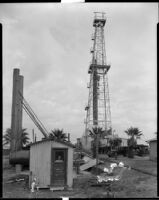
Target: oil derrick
98,107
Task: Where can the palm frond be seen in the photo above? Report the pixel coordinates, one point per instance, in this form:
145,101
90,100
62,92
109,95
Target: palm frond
58,134
23,136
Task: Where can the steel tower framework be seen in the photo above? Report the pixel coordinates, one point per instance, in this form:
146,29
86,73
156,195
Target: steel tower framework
98,107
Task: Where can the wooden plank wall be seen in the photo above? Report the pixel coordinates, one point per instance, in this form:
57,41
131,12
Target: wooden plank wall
40,162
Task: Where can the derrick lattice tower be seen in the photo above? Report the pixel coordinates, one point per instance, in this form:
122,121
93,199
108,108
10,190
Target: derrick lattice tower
98,106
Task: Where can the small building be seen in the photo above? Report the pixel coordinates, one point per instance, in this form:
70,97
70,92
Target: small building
86,142
153,149
51,163
104,146
124,142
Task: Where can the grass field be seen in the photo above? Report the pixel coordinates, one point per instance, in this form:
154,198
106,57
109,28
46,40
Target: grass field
133,184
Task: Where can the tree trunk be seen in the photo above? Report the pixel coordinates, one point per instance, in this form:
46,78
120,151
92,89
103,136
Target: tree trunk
93,148
130,152
116,153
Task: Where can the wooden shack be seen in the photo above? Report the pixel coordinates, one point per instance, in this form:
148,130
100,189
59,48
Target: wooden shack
51,163
153,149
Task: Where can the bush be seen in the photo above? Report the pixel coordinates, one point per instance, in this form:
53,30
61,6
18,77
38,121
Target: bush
112,153
123,151
140,152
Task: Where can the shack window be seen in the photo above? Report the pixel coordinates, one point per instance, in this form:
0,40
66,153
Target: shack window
59,156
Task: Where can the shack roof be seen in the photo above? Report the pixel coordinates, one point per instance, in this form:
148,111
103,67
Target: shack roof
152,140
51,139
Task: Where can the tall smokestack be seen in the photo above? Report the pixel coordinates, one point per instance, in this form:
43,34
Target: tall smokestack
20,112
16,118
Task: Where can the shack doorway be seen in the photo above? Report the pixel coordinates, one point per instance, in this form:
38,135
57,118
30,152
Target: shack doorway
58,167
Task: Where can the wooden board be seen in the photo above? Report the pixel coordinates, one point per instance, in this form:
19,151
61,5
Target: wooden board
91,163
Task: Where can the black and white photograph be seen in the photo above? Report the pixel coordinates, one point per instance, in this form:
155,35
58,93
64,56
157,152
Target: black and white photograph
79,100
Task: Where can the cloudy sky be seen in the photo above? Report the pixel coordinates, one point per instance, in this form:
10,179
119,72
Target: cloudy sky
50,44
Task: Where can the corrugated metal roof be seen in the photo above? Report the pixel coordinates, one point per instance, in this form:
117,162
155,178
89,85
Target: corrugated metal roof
58,141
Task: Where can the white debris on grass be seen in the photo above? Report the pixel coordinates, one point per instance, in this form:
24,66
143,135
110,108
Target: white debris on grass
113,165
33,185
110,169
121,164
107,171
21,179
101,179
65,198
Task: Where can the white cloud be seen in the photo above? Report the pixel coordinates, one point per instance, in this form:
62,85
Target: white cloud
50,44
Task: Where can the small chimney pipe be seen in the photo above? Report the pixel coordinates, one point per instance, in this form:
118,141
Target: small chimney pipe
68,137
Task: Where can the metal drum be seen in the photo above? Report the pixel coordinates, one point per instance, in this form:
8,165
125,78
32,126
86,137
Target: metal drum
19,157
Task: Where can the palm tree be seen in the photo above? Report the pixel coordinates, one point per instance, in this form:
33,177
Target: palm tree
58,134
96,133
24,137
109,131
114,144
134,134
8,137
93,147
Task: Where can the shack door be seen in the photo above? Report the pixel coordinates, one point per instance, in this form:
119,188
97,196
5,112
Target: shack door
59,166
